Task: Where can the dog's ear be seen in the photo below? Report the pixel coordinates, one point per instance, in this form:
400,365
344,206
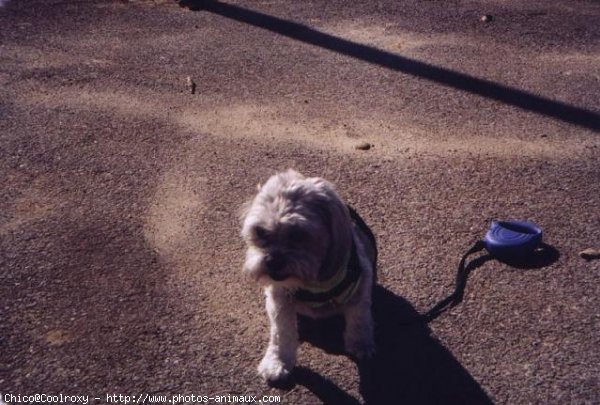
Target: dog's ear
337,217
244,209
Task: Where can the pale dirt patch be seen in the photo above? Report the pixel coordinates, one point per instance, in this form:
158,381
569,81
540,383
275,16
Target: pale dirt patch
175,225
574,62
273,125
574,56
115,102
35,58
124,4
149,2
175,208
386,37
276,126
541,7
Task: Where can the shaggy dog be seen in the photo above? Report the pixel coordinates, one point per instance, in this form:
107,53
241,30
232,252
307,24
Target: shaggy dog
314,256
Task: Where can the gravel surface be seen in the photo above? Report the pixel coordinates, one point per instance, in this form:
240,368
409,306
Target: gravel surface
119,209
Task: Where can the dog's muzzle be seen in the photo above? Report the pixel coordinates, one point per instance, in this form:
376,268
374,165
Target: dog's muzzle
274,264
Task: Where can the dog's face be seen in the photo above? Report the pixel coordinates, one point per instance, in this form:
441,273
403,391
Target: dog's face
297,230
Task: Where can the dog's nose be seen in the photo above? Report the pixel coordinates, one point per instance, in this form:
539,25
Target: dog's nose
274,264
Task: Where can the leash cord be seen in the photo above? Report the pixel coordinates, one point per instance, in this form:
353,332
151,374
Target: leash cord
460,283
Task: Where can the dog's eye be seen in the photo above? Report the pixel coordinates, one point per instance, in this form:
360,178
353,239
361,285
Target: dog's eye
261,234
298,236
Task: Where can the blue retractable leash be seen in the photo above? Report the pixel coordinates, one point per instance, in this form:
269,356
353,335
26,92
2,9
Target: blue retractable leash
506,241
512,239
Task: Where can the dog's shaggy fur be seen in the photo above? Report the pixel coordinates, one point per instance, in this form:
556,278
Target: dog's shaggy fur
301,235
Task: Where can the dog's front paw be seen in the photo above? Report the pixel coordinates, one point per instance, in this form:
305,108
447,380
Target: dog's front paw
274,370
361,349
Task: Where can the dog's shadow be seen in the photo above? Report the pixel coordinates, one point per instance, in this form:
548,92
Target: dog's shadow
410,365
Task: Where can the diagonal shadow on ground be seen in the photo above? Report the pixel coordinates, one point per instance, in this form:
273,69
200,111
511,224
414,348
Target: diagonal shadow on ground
485,88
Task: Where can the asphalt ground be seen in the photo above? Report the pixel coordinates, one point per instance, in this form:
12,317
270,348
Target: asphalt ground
120,254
